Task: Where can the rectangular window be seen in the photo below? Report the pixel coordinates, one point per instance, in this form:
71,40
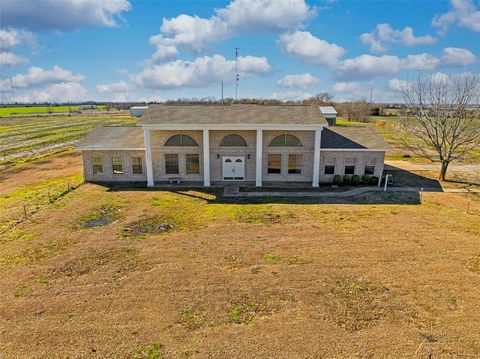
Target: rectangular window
117,165
192,164
274,164
294,164
370,167
171,164
137,167
329,166
349,166
369,170
329,170
97,165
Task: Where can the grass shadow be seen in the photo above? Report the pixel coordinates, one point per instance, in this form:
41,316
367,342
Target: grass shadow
404,178
214,195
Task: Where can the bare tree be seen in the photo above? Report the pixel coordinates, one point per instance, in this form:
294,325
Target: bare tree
440,120
320,99
359,110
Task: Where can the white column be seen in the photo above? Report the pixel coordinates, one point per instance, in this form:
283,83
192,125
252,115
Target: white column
206,158
258,159
316,158
148,158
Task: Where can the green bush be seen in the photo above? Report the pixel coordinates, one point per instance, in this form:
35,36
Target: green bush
366,179
337,179
355,179
347,179
374,180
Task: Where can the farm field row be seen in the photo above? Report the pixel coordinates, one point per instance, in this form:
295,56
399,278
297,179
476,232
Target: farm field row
25,138
22,110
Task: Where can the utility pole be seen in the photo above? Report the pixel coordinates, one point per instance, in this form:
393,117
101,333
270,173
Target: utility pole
237,76
13,92
222,92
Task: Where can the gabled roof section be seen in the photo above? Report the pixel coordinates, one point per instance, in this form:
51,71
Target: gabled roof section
352,138
233,115
113,138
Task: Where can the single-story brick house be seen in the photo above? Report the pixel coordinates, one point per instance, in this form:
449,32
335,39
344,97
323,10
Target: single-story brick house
219,144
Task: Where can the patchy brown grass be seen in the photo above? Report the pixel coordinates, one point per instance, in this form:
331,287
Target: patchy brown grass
242,280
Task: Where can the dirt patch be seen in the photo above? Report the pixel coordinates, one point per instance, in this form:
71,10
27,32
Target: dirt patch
100,216
473,264
261,215
147,226
83,264
116,262
355,303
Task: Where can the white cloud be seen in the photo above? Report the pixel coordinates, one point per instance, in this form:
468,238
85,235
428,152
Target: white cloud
455,57
265,15
203,71
397,85
310,49
352,90
384,33
291,96
191,32
10,38
39,85
421,62
253,65
164,53
36,76
120,86
366,67
116,92
11,59
462,13
348,87
62,15
60,92
439,77
197,34
298,81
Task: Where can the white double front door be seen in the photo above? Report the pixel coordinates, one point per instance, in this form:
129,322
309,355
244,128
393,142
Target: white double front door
233,168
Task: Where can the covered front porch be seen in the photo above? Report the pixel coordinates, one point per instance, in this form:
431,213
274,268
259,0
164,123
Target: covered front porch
230,154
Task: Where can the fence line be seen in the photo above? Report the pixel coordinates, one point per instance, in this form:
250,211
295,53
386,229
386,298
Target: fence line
51,199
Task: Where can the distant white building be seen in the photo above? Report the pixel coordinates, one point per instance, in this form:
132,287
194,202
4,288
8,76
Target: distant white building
330,114
138,111
88,107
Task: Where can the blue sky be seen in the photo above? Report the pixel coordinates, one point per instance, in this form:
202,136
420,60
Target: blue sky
121,50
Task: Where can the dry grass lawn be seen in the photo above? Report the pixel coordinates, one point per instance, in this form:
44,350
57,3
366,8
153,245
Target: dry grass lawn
147,274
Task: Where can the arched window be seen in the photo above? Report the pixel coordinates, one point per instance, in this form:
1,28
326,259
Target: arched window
233,140
285,140
181,140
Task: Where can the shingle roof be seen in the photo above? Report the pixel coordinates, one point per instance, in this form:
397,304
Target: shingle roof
338,137
233,114
334,137
113,137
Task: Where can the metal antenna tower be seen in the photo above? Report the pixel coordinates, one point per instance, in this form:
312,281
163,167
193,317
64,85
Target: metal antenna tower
237,76
13,93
